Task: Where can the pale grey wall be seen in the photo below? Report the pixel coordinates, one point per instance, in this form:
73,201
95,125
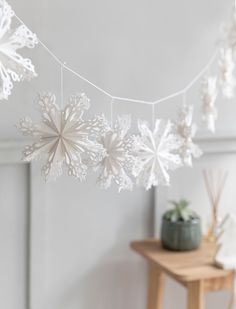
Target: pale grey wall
89,262
141,49
13,236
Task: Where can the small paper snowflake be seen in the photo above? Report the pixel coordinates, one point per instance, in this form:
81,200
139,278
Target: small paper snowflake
186,129
227,79
13,67
118,161
156,153
209,95
64,137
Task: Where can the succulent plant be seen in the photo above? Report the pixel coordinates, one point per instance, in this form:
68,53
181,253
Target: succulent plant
181,212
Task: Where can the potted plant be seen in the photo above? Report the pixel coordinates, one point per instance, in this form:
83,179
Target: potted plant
181,228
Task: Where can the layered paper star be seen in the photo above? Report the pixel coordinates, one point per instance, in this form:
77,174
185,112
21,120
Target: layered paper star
156,153
13,67
64,136
209,95
118,161
186,129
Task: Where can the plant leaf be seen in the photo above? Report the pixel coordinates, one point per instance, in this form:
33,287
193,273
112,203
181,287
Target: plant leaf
176,204
174,216
185,215
183,203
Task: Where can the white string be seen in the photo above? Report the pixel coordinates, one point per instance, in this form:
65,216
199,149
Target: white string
202,72
192,82
132,100
87,81
173,95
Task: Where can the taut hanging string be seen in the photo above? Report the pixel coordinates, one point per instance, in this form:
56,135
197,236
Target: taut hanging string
118,98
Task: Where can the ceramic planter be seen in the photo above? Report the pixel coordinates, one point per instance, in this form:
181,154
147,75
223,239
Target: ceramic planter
181,235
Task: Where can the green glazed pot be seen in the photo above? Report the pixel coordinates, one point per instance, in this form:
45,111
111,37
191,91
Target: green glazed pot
180,235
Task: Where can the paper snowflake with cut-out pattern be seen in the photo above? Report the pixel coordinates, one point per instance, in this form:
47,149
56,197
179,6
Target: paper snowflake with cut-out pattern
118,161
157,153
186,129
227,79
209,95
64,137
13,67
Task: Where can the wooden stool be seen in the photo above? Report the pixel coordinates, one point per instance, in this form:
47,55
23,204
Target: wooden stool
194,270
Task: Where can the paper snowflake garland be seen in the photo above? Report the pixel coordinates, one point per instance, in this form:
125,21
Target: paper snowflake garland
64,137
209,95
118,162
13,67
227,79
156,153
186,131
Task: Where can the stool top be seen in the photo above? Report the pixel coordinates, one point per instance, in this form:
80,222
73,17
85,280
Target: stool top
183,266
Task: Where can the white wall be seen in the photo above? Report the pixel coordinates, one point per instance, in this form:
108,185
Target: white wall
140,49
13,236
89,263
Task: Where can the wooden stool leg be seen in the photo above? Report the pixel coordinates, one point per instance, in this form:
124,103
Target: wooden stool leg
196,295
156,288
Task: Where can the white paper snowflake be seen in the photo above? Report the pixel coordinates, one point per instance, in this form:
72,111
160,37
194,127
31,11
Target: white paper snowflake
13,67
209,95
227,79
118,162
186,129
156,154
64,137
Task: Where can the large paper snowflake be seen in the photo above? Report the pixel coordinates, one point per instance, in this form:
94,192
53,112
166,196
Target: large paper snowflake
64,137
227,79
209,95
156,153
13,67
186,129
118,161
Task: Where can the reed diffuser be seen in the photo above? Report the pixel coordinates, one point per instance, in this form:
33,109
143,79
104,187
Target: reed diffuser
215,183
